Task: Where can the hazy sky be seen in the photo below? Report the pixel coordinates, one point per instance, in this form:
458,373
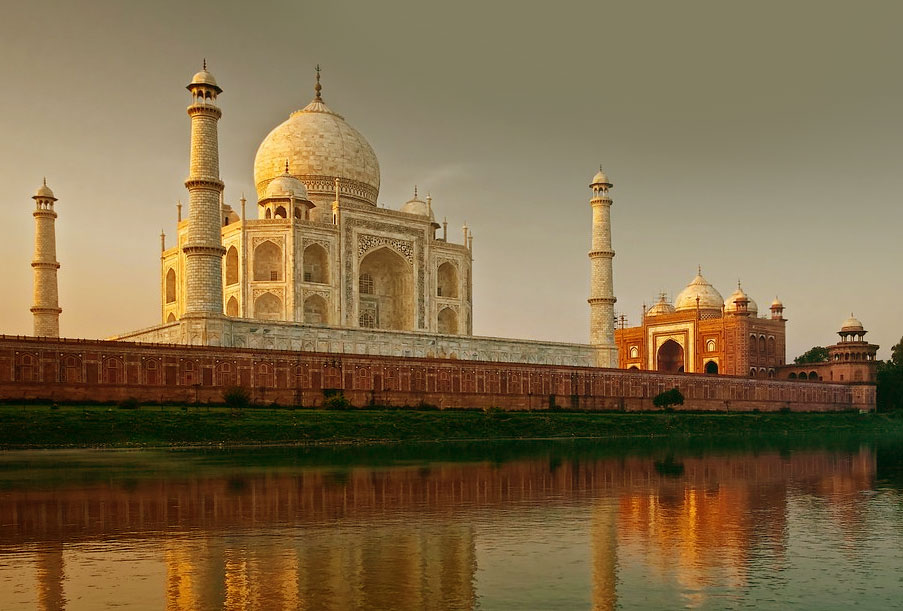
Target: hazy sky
760,140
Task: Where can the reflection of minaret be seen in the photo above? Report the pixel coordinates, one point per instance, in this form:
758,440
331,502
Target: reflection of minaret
50,576
605,557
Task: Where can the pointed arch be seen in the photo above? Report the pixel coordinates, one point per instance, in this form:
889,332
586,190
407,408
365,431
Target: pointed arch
231,266
316,264
392,299
171,318
448,321
447,280
316,310
670,357
268,307
268,262
170,285
232,307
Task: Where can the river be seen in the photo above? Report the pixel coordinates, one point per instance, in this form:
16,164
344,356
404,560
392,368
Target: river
810,524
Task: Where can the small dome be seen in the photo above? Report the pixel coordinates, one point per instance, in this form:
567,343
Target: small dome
776,304
662,307
731,306
44,192
709,297
204,78
852,324
286,185
600,179
418,206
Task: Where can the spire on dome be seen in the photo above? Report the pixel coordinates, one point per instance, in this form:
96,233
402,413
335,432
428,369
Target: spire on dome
286,166
318,87
415,191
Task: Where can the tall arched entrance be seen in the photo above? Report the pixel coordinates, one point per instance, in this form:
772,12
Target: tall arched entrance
711,367
671,357
386,290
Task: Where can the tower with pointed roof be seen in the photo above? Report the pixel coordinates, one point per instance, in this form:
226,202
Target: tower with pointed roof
203,247
46,309
602,298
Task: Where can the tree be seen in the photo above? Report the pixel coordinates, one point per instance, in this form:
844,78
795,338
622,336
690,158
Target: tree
237,398
816,354
890,381
668,398
896,354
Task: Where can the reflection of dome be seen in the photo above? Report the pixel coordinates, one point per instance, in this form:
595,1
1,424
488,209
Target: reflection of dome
731,306
852,324
320,147
662,307
44,191
709,297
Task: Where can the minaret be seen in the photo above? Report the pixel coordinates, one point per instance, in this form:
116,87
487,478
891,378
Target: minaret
602,299
46,307
203,246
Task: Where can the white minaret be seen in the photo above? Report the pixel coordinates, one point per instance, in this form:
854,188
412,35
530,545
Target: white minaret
46,307
203,246
602,298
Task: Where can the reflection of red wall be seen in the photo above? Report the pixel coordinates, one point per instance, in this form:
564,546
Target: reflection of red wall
313,497
89,370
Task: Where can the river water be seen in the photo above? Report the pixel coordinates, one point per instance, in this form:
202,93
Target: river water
813,524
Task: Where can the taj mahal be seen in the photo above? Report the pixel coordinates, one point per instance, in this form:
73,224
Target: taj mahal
326,268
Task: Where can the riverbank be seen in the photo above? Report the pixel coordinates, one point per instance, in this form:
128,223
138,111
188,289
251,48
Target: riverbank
35,426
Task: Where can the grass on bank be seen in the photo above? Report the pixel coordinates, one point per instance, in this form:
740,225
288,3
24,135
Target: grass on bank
109,426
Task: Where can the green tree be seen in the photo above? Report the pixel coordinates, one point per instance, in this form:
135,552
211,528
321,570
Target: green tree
817,354
896,354
668,398
890,380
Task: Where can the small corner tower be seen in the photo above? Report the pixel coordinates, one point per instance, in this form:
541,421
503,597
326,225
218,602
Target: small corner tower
46,307
203,246
602,298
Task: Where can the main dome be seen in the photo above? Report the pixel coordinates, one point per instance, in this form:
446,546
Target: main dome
709,297
319,147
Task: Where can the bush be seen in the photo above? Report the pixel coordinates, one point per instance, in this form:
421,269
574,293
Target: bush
668,399
130,403
237,398
337,401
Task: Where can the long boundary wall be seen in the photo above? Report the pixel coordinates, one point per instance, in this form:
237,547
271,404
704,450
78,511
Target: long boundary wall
98,370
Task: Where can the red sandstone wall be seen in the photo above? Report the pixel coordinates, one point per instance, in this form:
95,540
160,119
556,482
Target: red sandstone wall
94,370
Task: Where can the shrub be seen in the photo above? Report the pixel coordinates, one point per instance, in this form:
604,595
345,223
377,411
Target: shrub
130,403
237,398
336,401
668,399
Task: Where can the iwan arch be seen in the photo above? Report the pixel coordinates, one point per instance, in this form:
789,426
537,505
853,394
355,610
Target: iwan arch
322,267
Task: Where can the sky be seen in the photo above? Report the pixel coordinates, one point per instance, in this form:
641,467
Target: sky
761,141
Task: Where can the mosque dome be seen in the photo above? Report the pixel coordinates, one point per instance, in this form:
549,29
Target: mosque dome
777,303
600,178
709,297
320,147
852,324
286,185
661,307
204,78
44,191
418,206
730,305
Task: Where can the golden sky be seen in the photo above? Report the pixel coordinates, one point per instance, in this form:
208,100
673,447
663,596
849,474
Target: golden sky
760,140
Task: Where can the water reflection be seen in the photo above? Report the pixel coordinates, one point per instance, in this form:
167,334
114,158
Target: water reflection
555,526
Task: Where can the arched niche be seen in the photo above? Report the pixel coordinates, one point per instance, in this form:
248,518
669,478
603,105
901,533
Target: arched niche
268,307
671,357
232,307
267,262
392,297
316,264
447,280
170,285
231,266
316,310
448,321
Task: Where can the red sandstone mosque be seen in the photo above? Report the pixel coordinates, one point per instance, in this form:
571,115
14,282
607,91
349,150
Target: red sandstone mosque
325,277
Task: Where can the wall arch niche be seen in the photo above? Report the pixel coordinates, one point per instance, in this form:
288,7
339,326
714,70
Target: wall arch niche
231,266
670,357
315,310
447,280
448,321
170,285
392,298
268,307
232,307
267,262
316,264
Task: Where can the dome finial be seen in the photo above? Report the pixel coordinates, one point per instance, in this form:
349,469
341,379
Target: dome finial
286,166
45,181
699,270
415,191
205,63
318,87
